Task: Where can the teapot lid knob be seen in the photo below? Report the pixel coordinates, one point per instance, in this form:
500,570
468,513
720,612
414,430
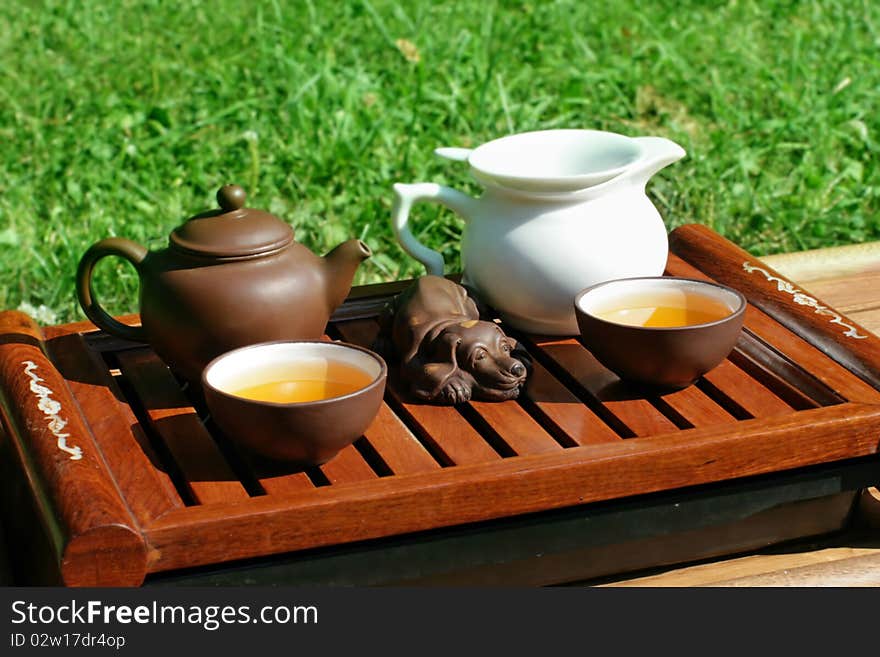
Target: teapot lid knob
231,197
233,231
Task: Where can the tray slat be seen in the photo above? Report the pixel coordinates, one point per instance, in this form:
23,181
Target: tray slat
207,473
791,382
747,396
278,478
695,408
396,445
576,423
637,415
518,430
348,467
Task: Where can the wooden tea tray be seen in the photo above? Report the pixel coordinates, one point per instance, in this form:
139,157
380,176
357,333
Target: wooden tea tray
113,472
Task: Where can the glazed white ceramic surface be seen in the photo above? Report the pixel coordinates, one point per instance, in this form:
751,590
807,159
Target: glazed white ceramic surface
562,210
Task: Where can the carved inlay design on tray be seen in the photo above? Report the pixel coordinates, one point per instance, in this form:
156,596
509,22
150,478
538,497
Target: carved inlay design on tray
803,299
51,409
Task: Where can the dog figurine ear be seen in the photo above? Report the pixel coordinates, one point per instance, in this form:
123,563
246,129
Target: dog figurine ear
442,349
474,301
429,371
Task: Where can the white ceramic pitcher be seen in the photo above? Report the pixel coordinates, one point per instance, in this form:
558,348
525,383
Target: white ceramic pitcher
562,210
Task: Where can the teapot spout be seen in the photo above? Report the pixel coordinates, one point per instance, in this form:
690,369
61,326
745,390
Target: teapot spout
657,152
340,266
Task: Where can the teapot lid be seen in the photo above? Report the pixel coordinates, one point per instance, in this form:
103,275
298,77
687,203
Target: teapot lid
231,231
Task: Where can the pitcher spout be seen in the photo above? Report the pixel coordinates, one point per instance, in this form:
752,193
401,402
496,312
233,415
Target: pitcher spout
340,266
657,152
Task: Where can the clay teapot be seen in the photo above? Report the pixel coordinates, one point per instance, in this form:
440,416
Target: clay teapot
228,278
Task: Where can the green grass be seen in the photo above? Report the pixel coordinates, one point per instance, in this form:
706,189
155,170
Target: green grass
123,117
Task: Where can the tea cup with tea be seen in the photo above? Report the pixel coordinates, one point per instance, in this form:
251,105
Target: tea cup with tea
299,401
660,331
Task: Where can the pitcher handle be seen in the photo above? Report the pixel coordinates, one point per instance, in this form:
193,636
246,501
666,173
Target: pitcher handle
404,198
117,246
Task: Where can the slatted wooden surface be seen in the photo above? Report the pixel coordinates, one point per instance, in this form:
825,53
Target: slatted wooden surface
572,400
576,435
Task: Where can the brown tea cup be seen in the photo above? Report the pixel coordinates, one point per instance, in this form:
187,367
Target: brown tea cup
337,411
702,323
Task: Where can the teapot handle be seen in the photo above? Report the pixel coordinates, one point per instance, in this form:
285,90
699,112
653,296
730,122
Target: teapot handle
405,196
116,246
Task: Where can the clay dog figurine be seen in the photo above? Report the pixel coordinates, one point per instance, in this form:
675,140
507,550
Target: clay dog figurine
444,352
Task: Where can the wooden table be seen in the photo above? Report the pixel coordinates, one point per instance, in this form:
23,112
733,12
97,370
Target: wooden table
747,506
848,278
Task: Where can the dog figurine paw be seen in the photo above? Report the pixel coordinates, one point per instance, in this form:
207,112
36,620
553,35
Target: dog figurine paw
445,353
